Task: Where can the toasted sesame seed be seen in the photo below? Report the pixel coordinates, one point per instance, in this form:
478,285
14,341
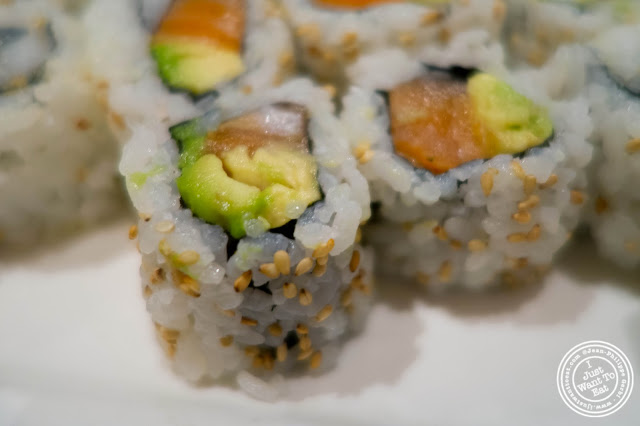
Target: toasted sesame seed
258,361
157,276
242,282
248,321
303,266
82,124
440,232
534,233
521,216
355,261
167,334
521,262
275,329
330,89
322,260
226,340
289,290
406,39
304,354
456,245
345,297
282,262
358,283
529,184
358,235
251,351
324,313
499,9
281,352
133,232
530,202
486,182
164,248
476,245
229,313
431,17
444,35
633,146
305,297
147,291
349,38
267,359
444,273
286,59
316,360
270,270
144,216
165,226
601,205
366,157
305,343
185,283
509,279
517,237
324,249
309,31
171,350
517,169
117,120
319,270
188,257
577,197
552,180
423,278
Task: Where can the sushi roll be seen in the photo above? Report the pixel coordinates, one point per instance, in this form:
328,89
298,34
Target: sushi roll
58,160
614,96
332,34
249,234
476,174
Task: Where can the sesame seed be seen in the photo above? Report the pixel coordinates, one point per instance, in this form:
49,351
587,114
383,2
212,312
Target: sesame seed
486,182
248,321
305,343
171,350
517,169
157,276
309,31
530,202
144,216
164,248
82,124
345,297
444,35
226,340
355,261
117,120
521,216
534,233
577,197
330,89
406,39
633,146
258,361
444,273
286,59
188,257
456,245
303,266
324,313
165,226
282,262
247,89
358,235
509,279
305,297
304,355
147,291
281,352
185,283
167,334
476,245
366,157
289,290
324,249
440,232
529,184
275,329
349,38
322,260
431,17
601,205
316,360
228,313
319,270
267,359
251,351
133,232
242,282
270,270
521,262
499,9
516,237
552,180
423,278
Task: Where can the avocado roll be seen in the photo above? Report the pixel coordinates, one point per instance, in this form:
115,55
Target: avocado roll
58,160
477,176
614,97
249,234
332,35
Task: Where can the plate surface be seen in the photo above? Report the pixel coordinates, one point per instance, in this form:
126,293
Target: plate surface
77,348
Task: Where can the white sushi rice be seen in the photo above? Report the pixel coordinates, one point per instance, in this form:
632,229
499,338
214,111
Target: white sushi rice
329,40
58,160
451,229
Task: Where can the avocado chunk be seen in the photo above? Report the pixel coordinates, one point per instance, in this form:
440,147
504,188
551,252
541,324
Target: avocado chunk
253,167
513,122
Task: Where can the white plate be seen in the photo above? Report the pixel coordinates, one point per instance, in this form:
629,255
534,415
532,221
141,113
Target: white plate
77,348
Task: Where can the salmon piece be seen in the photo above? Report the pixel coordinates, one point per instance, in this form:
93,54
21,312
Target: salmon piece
433,124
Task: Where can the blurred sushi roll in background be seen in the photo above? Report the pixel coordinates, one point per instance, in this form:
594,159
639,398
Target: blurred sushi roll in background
477,174
614,97
58,160
332,34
